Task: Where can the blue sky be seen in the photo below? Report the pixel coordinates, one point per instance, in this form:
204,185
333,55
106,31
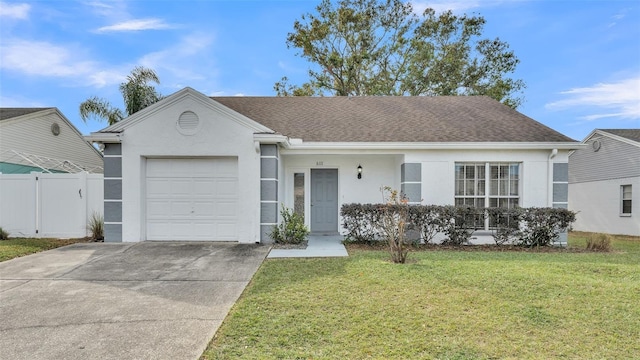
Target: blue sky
579,59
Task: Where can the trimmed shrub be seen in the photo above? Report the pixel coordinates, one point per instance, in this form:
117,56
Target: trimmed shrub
360,222
599,242
541,226
459,222
291,229
426,220
504,224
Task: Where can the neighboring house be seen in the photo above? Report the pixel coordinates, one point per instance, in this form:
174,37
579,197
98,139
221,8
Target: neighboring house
604,182
43,140
191,167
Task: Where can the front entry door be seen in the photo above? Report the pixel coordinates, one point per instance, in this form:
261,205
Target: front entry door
324,201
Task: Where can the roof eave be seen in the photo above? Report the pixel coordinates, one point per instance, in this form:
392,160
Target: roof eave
102,138
434,145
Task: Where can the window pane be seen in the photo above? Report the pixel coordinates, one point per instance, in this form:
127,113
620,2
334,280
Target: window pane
480,171
493,188
469,187
513,203
503,187
459,172
514,171
470,172
480,202
493,202
459,187
298,193
480,189
459,201
494,171
626,206
626,192
513,187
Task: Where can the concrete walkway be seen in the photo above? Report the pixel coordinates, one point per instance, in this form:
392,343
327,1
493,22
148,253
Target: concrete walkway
318,246
144,300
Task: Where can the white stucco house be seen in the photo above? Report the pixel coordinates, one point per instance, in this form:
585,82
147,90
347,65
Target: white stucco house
43,140
192,167
604,182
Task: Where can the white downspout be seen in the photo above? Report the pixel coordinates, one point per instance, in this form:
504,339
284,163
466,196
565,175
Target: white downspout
553,154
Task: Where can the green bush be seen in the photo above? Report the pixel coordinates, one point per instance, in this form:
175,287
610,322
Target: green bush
359,221
541,226
4,235
599,242
291,229
520,226
96,226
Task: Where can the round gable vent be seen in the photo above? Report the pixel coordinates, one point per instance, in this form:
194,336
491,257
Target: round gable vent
188,123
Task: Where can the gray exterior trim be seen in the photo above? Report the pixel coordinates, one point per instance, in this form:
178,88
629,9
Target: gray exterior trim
112,232
269,150
113,149
268,168
268,190
112,166
560,189
411,181
112,189
560,193
411,172
561,172
112,211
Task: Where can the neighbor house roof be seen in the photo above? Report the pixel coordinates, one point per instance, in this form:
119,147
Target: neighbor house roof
8,113
631,134
393,119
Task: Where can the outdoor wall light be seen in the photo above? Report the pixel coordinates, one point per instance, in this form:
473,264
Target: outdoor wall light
359,171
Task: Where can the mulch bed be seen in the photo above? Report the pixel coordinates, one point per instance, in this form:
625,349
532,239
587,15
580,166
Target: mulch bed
489,248
300,246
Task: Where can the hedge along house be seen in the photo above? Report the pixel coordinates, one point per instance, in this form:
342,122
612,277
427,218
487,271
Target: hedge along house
191,167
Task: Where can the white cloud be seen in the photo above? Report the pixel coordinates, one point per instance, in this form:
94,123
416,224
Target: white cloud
37,58
184,58
40,58
604,100
16,11
136,25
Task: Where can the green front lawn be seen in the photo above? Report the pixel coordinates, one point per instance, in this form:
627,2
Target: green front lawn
441,305
17,247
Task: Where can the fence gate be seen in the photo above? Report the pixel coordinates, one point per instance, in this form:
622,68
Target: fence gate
49,205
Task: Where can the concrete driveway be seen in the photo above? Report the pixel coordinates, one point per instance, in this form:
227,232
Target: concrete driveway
121,301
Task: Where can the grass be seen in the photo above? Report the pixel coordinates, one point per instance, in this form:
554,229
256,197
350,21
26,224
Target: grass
16,247
441,305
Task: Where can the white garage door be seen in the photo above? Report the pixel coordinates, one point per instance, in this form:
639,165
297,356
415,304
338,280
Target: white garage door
192,199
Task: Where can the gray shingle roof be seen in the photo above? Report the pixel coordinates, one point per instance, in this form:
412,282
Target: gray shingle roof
631,134
8,113
393,119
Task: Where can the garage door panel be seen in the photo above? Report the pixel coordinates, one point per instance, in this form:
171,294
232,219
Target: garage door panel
204,187
226,231
226,209
192,199
157,187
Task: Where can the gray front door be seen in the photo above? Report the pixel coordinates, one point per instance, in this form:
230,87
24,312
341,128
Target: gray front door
324,200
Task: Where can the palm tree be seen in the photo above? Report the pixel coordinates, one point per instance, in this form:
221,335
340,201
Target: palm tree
136,93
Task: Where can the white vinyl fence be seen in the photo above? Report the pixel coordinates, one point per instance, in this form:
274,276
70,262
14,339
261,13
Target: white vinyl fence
49,205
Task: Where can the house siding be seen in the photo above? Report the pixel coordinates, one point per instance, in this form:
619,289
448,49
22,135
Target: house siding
32,135
614,160
595,178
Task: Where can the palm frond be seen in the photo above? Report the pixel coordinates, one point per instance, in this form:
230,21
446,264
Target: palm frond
95,107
